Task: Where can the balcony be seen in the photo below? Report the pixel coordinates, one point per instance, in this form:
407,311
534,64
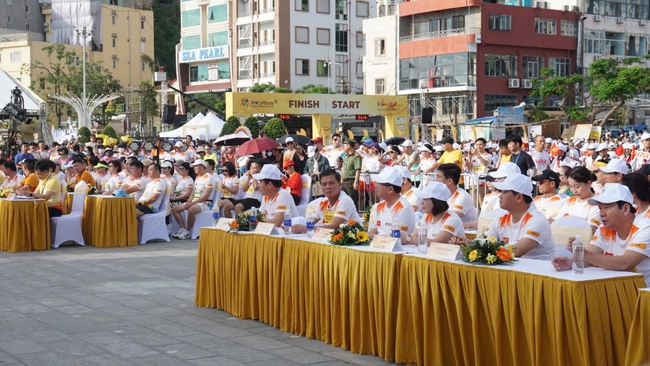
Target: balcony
439,34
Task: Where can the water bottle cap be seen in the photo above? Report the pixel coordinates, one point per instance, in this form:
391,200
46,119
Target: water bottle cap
215,215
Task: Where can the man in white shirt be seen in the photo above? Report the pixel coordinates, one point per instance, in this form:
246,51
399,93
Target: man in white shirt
540,156
622,241
523,226
394,210
547,183
154,192
333,151
277,201
200,199
643,155
135,183
460,201
408,190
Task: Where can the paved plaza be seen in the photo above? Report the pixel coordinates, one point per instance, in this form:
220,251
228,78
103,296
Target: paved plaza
133,306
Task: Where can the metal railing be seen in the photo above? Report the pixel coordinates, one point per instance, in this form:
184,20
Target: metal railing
439,34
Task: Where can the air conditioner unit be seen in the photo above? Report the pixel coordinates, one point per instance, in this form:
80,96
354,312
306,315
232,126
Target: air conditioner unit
143,39
620,20
598,18
114,35
513,83
142,17
567,8
114,57
643,22
575,8
527,84
113,12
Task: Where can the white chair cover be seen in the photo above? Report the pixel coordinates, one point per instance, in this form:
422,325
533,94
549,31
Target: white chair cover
204,218
153,226
68,227
304,195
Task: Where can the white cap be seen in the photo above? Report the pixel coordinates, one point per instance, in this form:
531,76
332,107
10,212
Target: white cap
548,140
288,139
269,171
438,148
615,166
601,147
383,145
591,146
455,146
166,164
406,173
311,151
612,145
612,192
645,136
435,190
407,143
517,183
627,146
505,169
199,162
390,175
561,147
178,144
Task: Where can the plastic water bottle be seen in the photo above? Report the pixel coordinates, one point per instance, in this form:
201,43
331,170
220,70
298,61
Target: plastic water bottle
287,223
252,220
215,218
578,255
310,227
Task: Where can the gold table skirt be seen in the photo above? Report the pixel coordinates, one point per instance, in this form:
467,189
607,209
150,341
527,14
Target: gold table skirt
638,345
110,222
453,314
25,225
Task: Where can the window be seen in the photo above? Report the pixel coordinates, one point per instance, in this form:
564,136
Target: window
454,69
191,18
601,42
560,66
458,22
26,8
363,9
27,26
545,26
218,39
531,66
637,45
198,73
382,10
302,5
322,36
114,64
380,86
41,83
380,47
302,35
359,69
113,19
217,14
494,101
302,67
143,46
341,38
341,10
143,66
323,6
568,28
321,68
637,9
360,39
10,19
500,22
501,66
191,42
114,42
77,60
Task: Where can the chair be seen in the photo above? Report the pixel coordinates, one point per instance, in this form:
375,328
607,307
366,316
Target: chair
68,227
304,195
153,226
204,218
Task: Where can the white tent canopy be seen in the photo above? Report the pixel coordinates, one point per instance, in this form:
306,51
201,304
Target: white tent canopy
8,83
200,127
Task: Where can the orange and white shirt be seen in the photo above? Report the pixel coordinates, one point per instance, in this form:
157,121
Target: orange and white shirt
580,209
542,203
449,222
201,184
533,225
645,214
343,208
230,182
183,184
332,154
156,186
400,214
114,182
11,183
415,201
281,203
462,202
638,241
141,183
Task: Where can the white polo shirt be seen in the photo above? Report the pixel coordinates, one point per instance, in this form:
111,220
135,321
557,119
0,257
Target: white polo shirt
542,203
141,183
201,184
282,202
638,241
156,186
343,208
462,202
533,225
400,214
449,222
580,209
541,159
415,201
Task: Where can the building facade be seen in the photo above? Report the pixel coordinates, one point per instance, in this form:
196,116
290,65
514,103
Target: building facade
21,16
380,61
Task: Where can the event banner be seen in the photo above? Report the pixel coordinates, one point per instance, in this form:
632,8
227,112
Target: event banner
244,104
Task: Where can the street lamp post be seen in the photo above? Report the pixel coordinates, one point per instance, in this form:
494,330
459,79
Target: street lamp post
329,63
83,33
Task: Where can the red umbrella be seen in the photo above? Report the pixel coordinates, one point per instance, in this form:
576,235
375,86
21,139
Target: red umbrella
256,146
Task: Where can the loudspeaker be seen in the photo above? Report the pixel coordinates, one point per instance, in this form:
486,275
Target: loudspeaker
169,113
427,115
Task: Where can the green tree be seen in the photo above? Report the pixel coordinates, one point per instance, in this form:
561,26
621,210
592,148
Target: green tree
232,124
149,108
217,101
564,87
109,131
167,34
275,128
253,125
84,134
268,88
314,89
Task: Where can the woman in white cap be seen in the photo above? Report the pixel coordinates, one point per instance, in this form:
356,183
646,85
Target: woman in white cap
441,223
427,161
580,179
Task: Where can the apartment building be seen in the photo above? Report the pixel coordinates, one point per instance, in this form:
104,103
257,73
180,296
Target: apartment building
19,16
380,60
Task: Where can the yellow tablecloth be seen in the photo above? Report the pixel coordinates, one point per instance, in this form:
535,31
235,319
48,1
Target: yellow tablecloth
454,314
110,222
24,225
638,344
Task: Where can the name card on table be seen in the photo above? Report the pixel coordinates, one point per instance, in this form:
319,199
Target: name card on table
224,224
266,228
443,251
384,243
322,234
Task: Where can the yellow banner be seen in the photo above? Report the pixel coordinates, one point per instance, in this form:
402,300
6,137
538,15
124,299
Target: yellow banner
245,104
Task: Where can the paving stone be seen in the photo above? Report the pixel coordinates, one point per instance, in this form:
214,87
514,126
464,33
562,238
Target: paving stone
21,347
151,338
184,351
243,354
260,343
215,361
49,359
300,355
158,360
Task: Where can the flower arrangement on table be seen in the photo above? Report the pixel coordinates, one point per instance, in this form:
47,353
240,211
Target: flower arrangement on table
6,191
350,233
366,217
92,190
242,221
487,250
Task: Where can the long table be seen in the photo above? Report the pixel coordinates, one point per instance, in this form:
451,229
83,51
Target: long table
110,221
24,225
638,349
413,309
